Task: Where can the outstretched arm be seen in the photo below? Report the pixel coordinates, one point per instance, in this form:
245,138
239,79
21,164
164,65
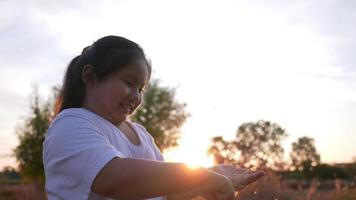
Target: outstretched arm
128,178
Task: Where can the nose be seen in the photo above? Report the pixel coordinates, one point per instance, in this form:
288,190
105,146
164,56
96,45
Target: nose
134,95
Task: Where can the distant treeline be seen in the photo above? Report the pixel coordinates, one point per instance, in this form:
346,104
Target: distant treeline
9,175
323,172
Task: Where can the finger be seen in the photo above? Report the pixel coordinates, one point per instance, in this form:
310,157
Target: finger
240,171
240,182
252,177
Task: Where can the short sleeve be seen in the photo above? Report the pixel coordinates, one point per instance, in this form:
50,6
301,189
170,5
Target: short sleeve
74,152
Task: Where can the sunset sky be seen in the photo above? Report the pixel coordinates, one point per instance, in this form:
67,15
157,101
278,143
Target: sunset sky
290,62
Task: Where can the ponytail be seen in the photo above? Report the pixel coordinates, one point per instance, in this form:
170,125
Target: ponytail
73,89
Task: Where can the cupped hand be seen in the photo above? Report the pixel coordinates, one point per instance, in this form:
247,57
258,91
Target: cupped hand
239,177
218,187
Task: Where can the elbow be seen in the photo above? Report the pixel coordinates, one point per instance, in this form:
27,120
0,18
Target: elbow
110,183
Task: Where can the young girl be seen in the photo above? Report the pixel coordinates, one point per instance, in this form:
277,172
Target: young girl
91,151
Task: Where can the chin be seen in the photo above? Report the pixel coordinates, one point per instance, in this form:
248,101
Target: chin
121,118
117,119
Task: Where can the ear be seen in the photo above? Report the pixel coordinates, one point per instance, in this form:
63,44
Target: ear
88,76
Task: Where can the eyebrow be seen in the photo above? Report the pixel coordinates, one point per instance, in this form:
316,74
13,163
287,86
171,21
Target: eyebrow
134,78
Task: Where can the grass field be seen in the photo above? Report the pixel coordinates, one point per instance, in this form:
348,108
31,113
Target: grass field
270,188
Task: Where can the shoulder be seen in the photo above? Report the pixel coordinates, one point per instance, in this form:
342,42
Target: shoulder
74,123
78,117
74,130
76,113
70,119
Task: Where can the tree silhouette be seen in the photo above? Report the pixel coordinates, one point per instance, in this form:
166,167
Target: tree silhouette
260,143
161,115
222,151
31,136
304,155
257,144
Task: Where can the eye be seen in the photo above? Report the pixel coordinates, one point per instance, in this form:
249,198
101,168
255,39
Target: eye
129,83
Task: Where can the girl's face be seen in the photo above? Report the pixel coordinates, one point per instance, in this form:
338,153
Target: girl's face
119,95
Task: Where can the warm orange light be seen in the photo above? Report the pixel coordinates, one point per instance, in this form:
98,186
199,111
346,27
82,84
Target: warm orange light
191,152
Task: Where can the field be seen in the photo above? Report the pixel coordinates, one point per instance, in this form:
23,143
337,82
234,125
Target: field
270,188
21,192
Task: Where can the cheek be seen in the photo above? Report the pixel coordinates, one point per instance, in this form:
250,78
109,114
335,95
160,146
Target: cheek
116,95
120,95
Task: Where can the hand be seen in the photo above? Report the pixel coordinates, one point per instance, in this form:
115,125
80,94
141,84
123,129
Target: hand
218,187
239,177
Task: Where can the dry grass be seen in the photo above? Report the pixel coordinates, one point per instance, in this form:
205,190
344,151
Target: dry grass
273,188
22,192
270,187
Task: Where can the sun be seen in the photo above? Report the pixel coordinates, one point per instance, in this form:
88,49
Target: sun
191,152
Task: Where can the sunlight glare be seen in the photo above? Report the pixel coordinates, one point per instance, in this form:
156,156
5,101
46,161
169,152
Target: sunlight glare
191,152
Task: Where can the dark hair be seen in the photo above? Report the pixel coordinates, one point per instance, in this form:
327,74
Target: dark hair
107,55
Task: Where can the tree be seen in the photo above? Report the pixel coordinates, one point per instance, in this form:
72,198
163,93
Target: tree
222,151
161,115
304,155
256,144
260,143
31,136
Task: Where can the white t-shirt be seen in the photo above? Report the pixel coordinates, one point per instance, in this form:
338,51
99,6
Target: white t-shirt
78,144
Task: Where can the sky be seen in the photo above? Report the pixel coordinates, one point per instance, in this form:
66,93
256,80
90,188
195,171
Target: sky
290,62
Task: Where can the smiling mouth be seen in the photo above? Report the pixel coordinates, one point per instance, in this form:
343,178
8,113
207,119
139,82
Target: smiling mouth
126,108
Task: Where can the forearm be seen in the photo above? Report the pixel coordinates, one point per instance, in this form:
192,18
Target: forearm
127,178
